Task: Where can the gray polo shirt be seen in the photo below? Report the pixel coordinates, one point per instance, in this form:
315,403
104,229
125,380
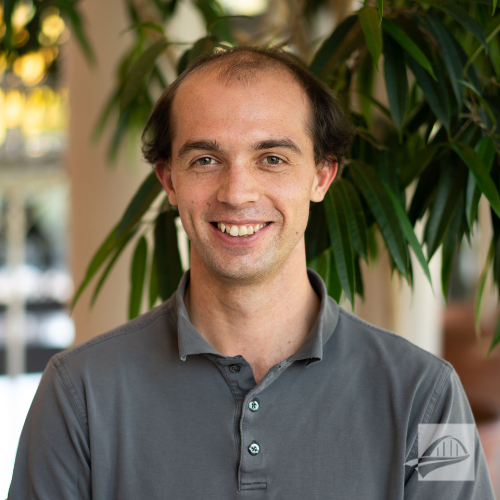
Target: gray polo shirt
150,410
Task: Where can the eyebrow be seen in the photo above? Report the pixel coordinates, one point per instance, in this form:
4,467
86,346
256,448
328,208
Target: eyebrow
208,145
204,145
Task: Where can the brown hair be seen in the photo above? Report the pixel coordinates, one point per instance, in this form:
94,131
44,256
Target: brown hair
331,131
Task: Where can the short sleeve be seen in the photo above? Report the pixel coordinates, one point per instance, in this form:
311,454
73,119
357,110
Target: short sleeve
452,407
53,460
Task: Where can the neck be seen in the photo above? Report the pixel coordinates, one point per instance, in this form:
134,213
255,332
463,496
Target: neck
265,322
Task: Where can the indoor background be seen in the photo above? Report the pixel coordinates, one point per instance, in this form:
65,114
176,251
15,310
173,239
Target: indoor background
59,197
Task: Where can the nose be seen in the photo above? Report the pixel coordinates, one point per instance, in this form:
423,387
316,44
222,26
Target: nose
238,185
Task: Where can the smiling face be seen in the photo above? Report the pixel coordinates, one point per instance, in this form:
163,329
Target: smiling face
242,161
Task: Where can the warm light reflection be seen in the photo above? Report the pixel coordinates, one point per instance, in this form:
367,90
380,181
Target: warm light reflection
13,108
30,68
246,7
3,126
41,114
52,27
23,14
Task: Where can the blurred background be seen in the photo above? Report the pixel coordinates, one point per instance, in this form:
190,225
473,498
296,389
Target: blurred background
59,197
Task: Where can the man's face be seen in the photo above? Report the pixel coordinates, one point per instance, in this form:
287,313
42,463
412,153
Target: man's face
242,158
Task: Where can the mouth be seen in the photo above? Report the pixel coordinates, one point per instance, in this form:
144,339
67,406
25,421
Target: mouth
239,230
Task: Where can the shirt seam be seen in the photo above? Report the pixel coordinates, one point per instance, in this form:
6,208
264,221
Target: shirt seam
436,394
73,395
354,318
107,336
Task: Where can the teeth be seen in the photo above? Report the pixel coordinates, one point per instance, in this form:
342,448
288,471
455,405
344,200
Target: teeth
239,230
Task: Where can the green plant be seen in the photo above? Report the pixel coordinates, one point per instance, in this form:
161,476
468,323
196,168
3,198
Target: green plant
430,155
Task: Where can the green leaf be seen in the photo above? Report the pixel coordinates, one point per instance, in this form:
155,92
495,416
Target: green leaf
144,26
459,15
481,173
378,104
485,104
380,5
486,151
139,204
334,284
472,197
355,216
137,275
68,8
105,115
323,267
435,92
168,261
365,82
117,252
478,299
409,233
451,57
341,243
154,291
490,34
183,62
316,238
8,9
104,251
140,71
408,45
367,180
396,82
360,287
451,238
418,165
326,57
449,187
203,46
496,336
369,19
212,24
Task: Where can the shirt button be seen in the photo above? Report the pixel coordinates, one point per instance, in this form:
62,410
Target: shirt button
253,405
234,368
254,449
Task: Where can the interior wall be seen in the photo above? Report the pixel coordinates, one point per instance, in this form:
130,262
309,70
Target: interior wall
99,193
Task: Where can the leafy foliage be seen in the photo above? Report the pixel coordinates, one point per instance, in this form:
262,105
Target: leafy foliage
430,155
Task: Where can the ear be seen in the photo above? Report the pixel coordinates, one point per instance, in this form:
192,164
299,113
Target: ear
164,174
323,178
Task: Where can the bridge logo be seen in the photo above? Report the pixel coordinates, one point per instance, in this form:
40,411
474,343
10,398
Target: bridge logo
445,452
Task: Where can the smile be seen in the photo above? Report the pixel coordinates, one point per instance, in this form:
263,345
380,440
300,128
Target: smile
240,230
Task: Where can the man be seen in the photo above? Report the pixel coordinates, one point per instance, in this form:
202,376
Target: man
250,382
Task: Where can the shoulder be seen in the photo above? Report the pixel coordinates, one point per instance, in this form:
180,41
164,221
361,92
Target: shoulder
130,339
388,356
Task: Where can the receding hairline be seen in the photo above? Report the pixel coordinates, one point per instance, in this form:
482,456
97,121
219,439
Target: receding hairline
249,65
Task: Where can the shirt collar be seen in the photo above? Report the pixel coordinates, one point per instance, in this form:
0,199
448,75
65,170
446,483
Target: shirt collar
192,342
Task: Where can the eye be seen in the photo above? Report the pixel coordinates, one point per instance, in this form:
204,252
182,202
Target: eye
273,160
205,160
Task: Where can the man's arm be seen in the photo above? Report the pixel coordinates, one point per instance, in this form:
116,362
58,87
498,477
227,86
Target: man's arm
53,458
452,407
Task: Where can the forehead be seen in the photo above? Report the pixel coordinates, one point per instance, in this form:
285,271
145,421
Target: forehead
264,102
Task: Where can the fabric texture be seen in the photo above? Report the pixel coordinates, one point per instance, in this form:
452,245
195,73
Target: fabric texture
150,410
